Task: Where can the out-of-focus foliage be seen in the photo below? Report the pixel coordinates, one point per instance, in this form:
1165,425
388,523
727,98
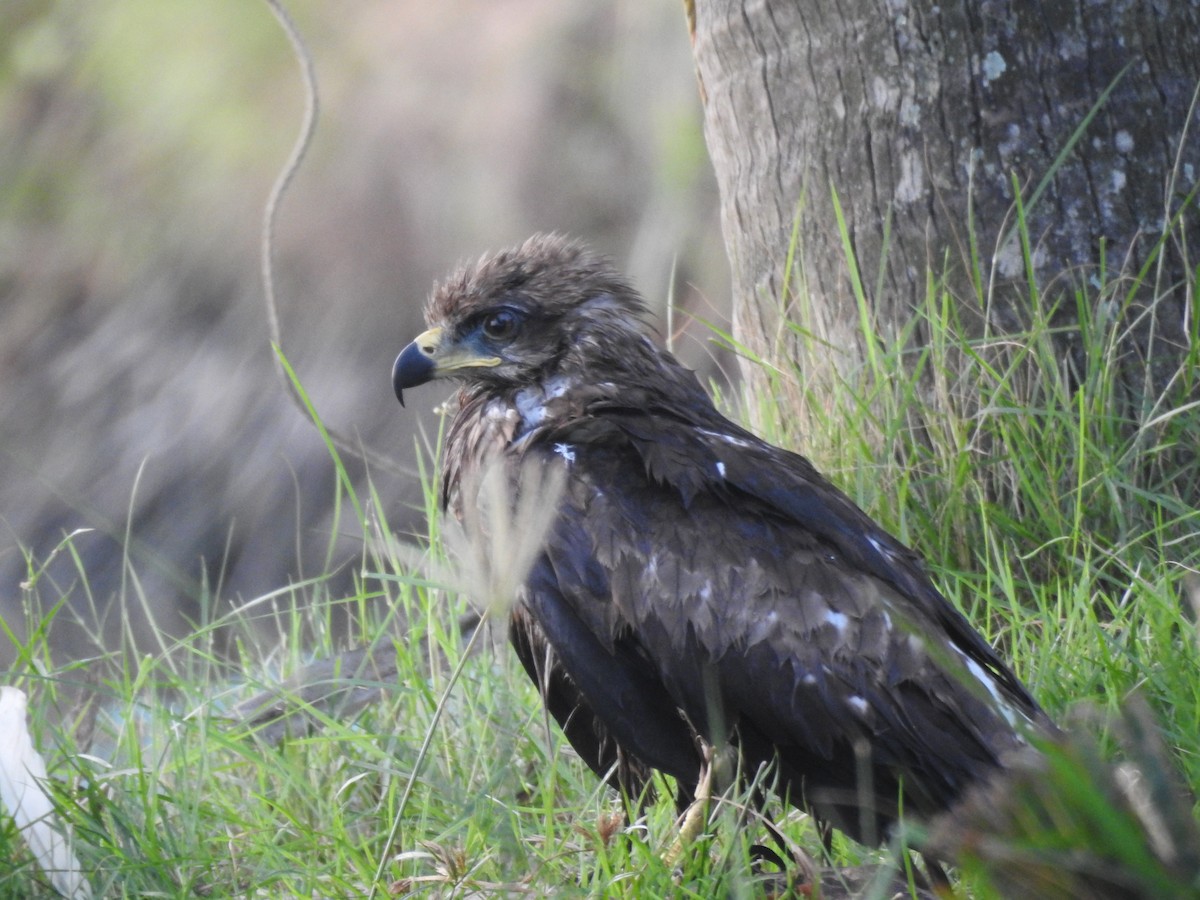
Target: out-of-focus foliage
1066,823
137,398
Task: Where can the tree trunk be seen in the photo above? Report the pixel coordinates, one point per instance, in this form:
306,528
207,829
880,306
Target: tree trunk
919,115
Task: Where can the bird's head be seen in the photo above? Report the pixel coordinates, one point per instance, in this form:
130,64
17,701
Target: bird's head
522,316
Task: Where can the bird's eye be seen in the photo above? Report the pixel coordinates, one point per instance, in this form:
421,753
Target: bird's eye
500,325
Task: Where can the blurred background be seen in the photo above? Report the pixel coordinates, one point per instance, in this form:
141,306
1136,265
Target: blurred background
139,410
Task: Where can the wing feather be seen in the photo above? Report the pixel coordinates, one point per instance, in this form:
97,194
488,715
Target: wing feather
715,456
769,607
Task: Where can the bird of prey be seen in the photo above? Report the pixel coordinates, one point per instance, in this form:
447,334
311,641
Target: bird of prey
697,585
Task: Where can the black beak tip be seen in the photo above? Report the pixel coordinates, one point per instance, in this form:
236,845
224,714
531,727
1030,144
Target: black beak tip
412,368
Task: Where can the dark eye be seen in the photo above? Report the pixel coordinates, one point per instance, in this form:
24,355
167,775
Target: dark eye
500,325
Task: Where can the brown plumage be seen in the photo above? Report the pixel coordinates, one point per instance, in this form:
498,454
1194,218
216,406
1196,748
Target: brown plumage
695,580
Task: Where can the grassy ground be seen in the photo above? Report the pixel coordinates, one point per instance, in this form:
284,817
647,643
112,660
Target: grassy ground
1054,509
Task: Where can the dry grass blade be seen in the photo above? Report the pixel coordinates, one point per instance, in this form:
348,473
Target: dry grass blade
501,536
500,539
493,549
283,181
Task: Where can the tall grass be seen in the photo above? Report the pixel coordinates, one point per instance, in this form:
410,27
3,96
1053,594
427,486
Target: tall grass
1055,508
1050,476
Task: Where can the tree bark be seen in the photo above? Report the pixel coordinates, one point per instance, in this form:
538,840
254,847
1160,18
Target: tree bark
919,115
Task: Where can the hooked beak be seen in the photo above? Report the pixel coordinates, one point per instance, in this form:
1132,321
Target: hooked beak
430,356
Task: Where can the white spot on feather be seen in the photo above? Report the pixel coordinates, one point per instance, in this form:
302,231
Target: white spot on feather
531,401
838,620
985,679
720,468
556,387
1003,706
566,451
531,404
730,439
858,704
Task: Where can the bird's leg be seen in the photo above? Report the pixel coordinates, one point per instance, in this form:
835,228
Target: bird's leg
685,794
696,814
